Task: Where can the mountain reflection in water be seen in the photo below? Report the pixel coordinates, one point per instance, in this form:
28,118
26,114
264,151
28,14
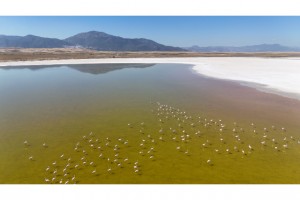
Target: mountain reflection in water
85,68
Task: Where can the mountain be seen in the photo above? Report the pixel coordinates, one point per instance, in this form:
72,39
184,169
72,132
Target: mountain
251,48
31,41
104,42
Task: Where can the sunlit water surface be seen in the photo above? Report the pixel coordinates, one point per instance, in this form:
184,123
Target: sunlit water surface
142,123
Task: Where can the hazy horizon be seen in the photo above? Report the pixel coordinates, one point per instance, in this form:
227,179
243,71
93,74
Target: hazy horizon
174,31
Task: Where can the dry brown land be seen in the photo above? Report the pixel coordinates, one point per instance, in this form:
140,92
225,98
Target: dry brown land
21,54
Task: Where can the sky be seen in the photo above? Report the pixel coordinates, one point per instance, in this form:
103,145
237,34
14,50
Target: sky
181,31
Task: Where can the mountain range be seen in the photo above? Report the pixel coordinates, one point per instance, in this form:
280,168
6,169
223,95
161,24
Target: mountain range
92,40
250,48
104,42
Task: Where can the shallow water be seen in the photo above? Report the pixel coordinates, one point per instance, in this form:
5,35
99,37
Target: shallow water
151,112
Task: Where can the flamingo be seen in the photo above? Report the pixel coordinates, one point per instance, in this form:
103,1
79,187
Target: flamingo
208,161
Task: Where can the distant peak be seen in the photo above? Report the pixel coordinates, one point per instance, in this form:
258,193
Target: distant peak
98,33
30,35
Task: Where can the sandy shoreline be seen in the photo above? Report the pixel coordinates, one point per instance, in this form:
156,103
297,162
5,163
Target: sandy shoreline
275,75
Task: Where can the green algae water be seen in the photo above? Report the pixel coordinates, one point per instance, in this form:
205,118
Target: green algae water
142,123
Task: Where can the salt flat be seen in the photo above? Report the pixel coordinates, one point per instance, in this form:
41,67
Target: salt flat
277,75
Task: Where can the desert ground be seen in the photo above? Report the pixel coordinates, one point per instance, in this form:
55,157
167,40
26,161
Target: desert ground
24,54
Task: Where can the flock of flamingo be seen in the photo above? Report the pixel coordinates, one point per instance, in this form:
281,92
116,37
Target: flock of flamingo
187,135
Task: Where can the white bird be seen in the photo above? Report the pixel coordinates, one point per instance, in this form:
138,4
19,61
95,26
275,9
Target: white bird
30,157
243,152
44,145
273,140
94,171
47,169
62,156
208,161
54,163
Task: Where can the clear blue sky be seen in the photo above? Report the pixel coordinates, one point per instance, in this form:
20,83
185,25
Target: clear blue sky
175,31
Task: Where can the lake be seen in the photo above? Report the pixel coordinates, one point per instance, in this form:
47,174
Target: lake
142,123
